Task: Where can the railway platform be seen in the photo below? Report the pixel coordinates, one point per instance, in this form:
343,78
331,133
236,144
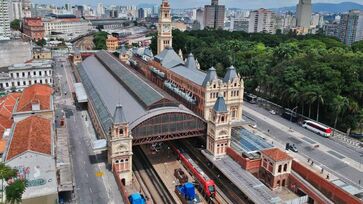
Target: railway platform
165,162
256,191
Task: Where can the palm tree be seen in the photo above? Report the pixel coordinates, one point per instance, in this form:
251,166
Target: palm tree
14,191
340,105
315,96
6,173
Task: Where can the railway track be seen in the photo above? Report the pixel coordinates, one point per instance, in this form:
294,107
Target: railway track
225,187
156,187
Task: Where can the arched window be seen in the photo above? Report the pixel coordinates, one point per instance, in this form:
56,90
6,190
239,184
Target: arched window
222,119
279,169
285,167
121,131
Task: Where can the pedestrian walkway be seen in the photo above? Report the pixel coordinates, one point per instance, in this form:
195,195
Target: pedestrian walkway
244,180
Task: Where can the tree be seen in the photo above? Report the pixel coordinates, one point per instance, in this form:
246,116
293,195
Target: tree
6,173
14,191
15,24
315,96
340,104
41,42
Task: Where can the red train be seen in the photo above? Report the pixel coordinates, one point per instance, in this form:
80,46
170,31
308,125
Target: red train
206,185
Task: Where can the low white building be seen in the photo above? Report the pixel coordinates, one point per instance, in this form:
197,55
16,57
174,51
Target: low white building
71,27
19,76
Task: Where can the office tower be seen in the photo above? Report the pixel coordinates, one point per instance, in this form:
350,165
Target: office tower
315,20
155,10
4,20
214,15
141,13
16,10
262,21
100,9
68,7
303,14
200,18
27,9
351,27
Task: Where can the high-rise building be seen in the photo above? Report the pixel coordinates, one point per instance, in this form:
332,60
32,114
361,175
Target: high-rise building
214,15
16,10
165,38
303,14
100,9
315,20
68,7
4,20
27,9
141,13
155,10
351,27
262,21
200,18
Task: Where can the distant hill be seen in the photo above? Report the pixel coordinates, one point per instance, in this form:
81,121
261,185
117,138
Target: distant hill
326,7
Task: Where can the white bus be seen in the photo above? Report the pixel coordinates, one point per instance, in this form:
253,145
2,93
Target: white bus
317,128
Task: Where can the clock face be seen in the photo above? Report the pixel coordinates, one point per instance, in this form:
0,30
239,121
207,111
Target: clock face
166,28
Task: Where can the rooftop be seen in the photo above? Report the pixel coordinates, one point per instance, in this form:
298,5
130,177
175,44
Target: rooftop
139,99
169,59
36,93
32,133
276,154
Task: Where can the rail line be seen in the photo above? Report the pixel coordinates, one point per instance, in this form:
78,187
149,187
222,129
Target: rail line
157,188
227,190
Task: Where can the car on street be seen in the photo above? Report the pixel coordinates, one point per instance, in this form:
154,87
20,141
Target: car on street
272,112
291,147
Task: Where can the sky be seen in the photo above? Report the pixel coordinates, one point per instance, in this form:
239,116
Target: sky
247,4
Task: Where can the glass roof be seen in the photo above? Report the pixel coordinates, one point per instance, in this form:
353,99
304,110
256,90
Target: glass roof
139,88
104,116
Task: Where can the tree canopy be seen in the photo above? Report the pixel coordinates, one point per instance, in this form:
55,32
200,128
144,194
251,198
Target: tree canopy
15,24
100,40
313,72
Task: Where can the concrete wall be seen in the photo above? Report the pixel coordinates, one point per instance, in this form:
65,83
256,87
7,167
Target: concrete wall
48,199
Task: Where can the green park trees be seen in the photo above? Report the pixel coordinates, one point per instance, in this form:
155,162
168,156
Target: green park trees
312,72
15,188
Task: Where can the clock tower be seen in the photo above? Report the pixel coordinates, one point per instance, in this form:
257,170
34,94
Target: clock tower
165,28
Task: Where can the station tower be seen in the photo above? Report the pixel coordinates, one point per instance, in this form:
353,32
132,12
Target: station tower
165,38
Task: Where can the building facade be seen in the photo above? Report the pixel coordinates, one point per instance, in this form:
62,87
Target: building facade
165,38
262,21
112,43
66,26
4,20
303,14
275,168
33,28
16,9
120,147
214,15
350,28
19,76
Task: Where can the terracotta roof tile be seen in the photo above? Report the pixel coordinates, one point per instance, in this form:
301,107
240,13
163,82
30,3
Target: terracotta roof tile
32,133
36,92
7,104
276,154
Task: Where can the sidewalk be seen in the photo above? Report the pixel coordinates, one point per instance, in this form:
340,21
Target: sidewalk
300,136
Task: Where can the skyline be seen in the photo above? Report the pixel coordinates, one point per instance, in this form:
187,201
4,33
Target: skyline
247,4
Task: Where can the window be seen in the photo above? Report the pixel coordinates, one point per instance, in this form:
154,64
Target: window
23,74
279,169
121,131
283,182
285,167
40,73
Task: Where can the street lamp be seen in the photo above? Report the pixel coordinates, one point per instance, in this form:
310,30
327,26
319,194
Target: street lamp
292,112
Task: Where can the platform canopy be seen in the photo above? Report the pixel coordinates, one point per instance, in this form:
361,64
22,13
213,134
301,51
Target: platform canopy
80,93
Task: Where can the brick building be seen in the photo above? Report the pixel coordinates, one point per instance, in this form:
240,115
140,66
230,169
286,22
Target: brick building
275,168
34,28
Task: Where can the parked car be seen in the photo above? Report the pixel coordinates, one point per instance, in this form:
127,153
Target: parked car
272,112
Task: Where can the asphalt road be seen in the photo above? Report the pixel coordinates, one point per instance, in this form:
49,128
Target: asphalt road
94,183
331,160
